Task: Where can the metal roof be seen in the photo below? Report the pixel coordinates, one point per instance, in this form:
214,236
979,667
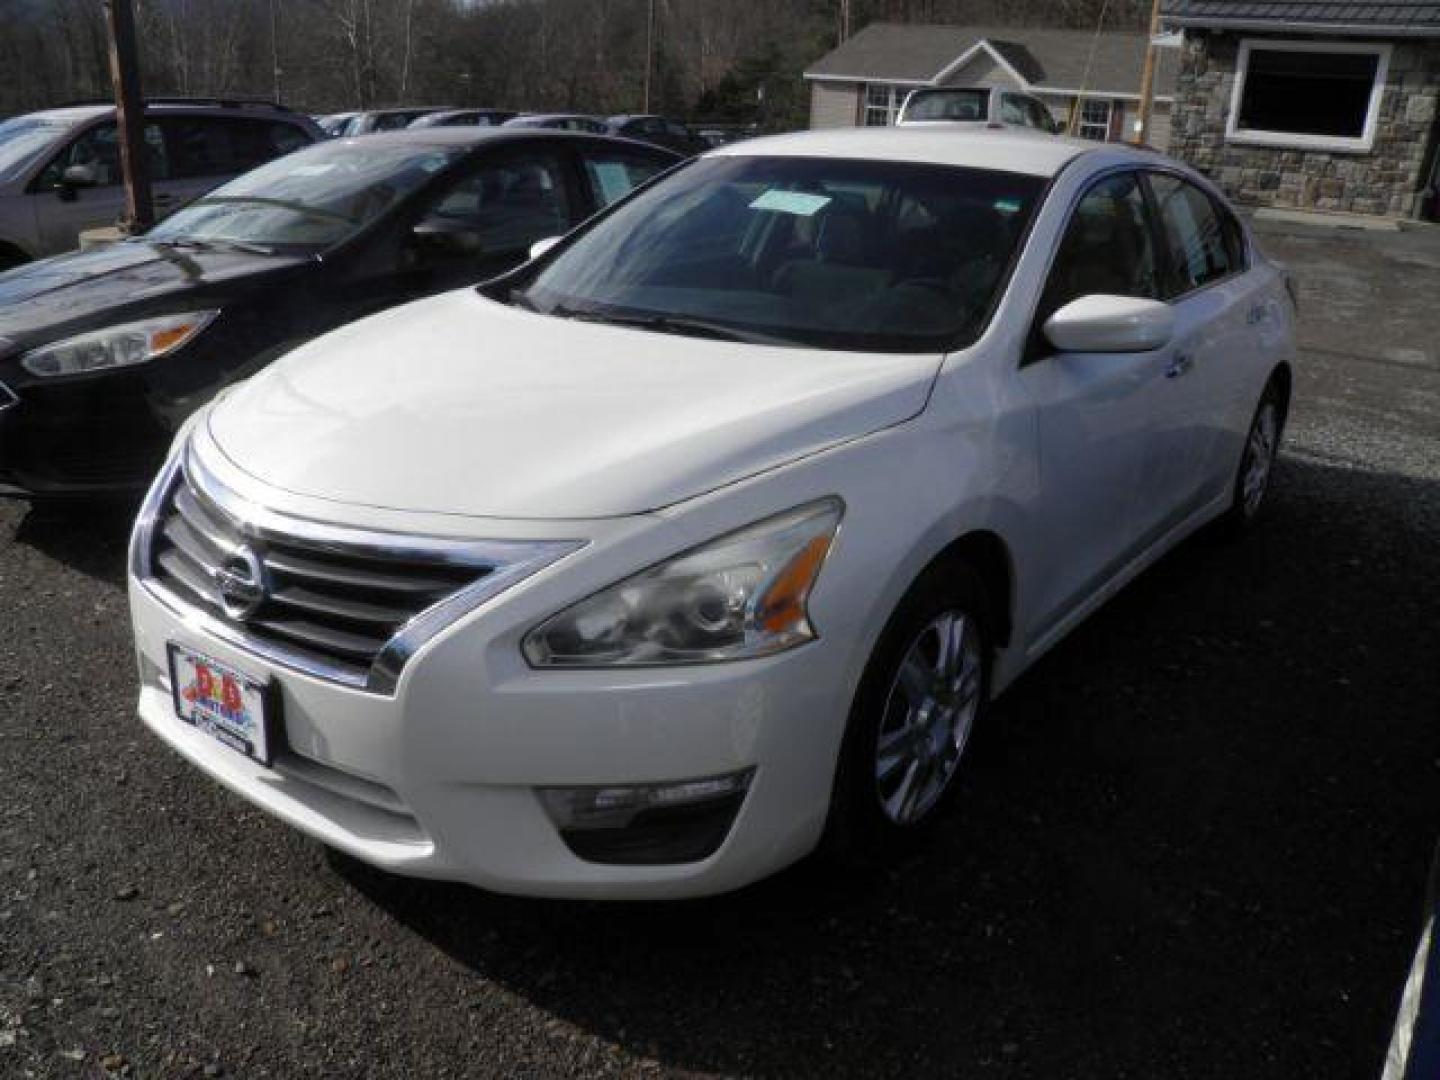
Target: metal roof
1418,18
1045,59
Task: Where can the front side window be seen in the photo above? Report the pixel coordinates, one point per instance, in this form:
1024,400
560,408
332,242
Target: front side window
1307,96
98,150
1094,119
1200,251
862,255
309,200
1108,247
882,104
508,204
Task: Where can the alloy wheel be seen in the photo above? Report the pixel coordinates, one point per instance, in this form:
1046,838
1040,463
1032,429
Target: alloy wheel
1259,458
929,715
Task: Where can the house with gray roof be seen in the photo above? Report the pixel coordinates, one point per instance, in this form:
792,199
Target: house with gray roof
865,80
1320,104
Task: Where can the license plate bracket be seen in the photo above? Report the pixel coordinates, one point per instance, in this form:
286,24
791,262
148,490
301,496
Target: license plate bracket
237,710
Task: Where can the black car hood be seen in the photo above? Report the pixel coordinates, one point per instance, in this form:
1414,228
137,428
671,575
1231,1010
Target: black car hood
81,285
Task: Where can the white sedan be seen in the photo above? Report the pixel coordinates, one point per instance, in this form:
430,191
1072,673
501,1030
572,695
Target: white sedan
707,538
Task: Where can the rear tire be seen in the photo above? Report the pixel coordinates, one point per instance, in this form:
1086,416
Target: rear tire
1257,462
922,697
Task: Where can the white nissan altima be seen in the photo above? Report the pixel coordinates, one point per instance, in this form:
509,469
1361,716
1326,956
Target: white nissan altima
707,537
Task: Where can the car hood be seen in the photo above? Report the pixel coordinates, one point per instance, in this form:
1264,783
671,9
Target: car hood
461,405
82,284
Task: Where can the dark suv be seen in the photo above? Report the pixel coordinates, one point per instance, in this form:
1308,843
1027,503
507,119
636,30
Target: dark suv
60,169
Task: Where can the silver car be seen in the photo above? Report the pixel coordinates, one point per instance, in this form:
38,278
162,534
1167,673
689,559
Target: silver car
60,169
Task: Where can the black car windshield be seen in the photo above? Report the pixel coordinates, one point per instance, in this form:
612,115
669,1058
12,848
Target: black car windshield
24,139
947,105
312,199
866,255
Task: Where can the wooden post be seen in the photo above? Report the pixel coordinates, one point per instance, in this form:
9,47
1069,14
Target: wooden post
1147,76
130,117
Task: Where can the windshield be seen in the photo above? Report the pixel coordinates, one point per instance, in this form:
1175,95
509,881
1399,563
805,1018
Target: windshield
867,255
24,139
311,199
947,105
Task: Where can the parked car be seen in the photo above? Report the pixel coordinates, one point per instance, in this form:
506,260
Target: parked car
367,123
561,122
708,536
463,118
334,123
60,169
104,353
970,105
723,136
662,132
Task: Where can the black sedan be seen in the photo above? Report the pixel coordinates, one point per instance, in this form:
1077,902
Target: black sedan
103,354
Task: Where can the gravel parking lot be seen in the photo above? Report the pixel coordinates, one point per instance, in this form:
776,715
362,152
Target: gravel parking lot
1195,845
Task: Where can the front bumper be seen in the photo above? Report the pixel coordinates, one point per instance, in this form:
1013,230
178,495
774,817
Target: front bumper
441,778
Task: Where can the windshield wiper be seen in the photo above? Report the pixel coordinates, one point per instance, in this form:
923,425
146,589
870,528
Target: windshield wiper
670,324
217,244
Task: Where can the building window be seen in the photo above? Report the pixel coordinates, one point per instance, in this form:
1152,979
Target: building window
1094,119
882,103
1312,95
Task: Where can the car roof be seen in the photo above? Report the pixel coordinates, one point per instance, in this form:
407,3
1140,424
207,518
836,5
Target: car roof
559,116
1003,150
75,114
477,136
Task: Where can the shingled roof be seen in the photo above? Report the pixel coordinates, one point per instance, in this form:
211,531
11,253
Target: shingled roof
1419,18
917,53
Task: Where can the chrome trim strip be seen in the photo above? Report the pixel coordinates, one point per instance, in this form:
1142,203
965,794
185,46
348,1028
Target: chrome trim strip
8,397
509,563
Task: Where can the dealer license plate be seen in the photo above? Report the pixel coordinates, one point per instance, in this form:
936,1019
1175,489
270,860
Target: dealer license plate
225,703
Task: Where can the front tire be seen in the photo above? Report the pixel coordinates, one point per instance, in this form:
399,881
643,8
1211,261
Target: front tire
923,695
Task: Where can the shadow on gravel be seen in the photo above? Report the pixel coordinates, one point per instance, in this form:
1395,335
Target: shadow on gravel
1200,839
88,537
1196,845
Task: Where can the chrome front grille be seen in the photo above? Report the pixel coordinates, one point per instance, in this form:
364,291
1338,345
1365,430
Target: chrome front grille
347,605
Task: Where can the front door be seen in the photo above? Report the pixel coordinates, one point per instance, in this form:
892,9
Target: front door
1095,412
64,211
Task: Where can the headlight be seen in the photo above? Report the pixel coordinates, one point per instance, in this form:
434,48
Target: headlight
741,596
116,346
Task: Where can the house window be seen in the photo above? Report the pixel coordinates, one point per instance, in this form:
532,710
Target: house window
882,103
1094,119
1312,95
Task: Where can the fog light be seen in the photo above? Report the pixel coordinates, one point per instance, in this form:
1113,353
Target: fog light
647,824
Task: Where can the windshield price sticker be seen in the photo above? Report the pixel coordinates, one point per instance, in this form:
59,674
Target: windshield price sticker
791,202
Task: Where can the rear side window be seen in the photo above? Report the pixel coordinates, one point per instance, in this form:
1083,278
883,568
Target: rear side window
614,174
254,142
1012,110
1195,236
199,146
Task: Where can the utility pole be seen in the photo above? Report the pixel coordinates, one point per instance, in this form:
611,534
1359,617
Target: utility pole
130,116
844,34
275,49
1147,77
649,53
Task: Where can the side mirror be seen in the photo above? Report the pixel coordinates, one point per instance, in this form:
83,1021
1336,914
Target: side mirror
77,176
540,247
1111,324
445,237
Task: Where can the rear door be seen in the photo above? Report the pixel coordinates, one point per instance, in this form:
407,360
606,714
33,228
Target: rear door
1216,307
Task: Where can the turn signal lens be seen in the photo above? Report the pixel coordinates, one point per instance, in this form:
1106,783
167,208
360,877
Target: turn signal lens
743,595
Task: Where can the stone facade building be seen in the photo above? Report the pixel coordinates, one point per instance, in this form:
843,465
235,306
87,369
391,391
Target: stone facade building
1323,105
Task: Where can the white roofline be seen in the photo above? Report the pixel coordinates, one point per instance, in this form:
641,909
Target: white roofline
1276,26
983,43
865,79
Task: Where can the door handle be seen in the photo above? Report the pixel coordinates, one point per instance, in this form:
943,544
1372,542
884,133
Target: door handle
1180,363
